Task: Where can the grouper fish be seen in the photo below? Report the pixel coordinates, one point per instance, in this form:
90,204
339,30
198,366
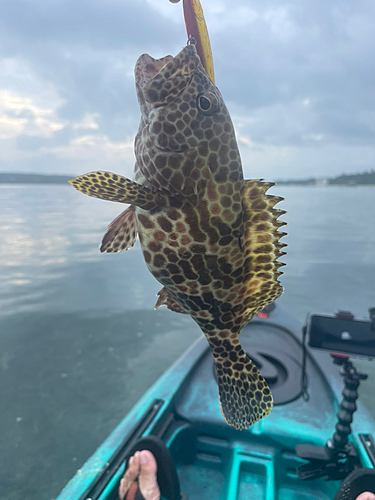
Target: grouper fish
207,235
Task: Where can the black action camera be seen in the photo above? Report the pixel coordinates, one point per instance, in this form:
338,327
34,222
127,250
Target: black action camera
342,334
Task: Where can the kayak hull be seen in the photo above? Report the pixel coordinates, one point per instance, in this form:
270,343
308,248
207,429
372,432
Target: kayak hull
213,459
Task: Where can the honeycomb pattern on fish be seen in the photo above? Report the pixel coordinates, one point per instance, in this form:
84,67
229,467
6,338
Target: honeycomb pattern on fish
207,235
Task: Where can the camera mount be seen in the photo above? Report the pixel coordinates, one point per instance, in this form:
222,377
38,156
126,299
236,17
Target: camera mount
338,457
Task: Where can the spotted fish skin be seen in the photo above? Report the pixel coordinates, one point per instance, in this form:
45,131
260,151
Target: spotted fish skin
207,235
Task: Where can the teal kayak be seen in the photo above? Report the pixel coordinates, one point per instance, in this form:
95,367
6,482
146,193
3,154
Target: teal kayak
214,460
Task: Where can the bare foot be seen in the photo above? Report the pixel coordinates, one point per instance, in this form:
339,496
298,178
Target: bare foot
142,467
366,496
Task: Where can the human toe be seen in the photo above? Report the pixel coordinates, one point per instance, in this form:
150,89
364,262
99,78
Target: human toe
366,496
147,479
130,475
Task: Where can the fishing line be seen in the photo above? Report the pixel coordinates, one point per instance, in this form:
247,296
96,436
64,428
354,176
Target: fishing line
304,379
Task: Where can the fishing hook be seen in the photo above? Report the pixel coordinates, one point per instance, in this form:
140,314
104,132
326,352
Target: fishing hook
191,40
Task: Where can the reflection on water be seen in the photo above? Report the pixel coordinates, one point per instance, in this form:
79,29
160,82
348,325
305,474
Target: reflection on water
331,251
77,326
50,246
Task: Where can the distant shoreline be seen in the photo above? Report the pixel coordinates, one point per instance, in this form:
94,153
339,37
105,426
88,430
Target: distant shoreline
351,180
10,178
317,185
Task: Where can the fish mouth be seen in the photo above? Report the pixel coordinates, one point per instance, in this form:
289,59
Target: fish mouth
160,80
147,68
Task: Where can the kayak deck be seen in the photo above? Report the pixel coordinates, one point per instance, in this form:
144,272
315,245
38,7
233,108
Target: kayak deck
213,459
218,469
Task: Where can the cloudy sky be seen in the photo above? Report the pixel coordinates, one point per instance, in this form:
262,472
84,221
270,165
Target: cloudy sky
298,77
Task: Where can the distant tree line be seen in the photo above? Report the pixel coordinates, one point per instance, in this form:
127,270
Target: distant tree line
354,179
15,178
365,178
298,182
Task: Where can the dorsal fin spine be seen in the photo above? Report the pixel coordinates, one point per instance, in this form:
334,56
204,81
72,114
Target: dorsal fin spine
261,241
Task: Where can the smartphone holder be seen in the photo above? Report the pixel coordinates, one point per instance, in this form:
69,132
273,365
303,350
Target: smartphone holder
338,457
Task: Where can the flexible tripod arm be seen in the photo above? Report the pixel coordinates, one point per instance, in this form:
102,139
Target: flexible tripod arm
338,457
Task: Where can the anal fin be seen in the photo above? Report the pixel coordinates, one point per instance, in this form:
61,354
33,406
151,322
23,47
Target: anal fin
165,299
122,232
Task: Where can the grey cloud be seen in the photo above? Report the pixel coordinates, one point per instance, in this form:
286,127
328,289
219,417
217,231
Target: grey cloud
96,24
81,47
324,58
266,65
29,143
59,138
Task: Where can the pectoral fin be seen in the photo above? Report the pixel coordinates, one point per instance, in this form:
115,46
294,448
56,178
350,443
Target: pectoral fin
122,232
113,187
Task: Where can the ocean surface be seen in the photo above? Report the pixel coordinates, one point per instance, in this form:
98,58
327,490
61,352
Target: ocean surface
80,341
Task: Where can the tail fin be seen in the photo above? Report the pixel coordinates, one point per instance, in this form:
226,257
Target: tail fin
245,397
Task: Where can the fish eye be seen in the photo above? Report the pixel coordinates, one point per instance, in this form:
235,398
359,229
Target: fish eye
204,103
207,104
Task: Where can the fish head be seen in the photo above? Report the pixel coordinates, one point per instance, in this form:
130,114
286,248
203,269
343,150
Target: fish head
182,112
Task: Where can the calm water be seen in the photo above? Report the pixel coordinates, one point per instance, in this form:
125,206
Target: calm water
80,342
